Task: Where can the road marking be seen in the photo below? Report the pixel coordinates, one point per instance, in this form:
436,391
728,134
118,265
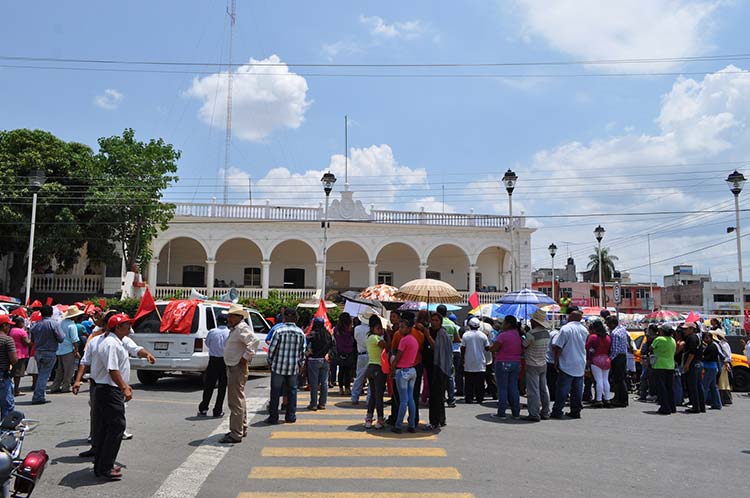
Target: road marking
297,494
335,411
330,421
350,435
352,452
358,473
168,401
186,480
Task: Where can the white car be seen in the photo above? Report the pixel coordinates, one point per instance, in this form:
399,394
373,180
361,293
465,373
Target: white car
187,353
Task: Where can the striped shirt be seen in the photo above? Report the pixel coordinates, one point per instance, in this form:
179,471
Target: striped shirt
287,349
620,340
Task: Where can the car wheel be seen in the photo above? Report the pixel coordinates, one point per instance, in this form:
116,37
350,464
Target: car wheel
741,379
148,377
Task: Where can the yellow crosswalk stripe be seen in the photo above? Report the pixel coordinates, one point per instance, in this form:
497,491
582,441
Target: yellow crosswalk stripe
346,451
359,473
296,494
336,411
350,435
329,421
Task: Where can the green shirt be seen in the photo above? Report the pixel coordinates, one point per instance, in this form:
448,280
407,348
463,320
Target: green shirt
373,349
664,349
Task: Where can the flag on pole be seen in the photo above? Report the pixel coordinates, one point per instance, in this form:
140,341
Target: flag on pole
322,312
473,300
693,317
146,307
746,324
50,301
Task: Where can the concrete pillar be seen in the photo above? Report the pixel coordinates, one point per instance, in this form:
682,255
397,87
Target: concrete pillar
210,272
319,277
472,279
265,277
373,273
153,268
423,270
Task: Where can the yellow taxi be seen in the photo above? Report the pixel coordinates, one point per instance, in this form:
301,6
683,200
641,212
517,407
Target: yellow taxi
740,367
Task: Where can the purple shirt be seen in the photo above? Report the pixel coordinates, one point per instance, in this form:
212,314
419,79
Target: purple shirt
510,346
344,340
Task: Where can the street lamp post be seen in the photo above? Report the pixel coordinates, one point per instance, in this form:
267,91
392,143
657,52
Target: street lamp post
509,181
328,180
599,234
736,180
552,251
36,181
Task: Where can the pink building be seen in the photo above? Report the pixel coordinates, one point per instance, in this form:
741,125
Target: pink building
635,297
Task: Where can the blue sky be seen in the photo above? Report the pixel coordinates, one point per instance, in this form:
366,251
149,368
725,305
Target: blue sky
589,143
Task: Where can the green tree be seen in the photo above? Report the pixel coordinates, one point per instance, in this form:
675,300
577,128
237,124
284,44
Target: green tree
125,198
62,220
608,264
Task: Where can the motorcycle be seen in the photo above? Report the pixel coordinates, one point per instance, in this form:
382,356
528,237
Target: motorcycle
18,477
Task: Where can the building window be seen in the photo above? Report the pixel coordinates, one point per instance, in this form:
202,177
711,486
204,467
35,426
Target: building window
477,280
435,275
642,293
566,290
251,277
627,293
385,277
723,298
546,290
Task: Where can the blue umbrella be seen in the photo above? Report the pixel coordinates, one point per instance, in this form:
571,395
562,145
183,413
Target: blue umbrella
526,296
520,311
416,306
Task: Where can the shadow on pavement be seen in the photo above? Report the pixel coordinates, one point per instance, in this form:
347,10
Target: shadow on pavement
83,478
71,443
69,459
487,417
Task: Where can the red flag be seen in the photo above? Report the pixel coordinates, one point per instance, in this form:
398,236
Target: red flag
103,304
147,306
746,325
474,300
693,317
50,301
178,316
322,312
36,303
20,311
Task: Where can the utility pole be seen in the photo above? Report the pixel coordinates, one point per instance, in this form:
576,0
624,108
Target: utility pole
650,278
232,12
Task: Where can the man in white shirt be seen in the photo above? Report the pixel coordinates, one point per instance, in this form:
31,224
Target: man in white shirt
110,369
360,336
569,347
473,345
216,372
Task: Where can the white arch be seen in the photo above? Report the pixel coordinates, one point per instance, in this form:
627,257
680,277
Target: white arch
159,244
474,255
357,243
271,249
219,243
383,245
431,248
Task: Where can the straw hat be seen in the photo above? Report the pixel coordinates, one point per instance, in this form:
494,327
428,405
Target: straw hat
72,312
237,309
719,333
540,317
365,314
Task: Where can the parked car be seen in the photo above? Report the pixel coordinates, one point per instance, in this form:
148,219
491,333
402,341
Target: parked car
740,367
186,353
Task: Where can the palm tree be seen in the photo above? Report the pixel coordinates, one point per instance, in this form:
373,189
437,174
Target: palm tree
608,264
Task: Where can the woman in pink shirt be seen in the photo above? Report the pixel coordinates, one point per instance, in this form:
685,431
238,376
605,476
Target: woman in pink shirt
23,344
597,355
507,349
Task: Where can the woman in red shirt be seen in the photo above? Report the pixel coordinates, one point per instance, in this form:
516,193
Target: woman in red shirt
597,355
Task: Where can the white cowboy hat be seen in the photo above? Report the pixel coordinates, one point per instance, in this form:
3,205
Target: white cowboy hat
237,309
365,314
540,317
72,312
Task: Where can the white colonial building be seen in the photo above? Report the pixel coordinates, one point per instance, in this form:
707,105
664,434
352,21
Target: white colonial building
257,248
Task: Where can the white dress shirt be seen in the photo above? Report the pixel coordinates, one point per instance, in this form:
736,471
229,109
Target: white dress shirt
108,354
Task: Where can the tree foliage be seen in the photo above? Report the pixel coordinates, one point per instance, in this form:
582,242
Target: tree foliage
129,183
608,264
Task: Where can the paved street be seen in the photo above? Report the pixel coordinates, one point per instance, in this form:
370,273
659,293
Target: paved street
610,453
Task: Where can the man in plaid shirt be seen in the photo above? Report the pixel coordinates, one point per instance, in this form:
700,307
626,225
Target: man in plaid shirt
285,354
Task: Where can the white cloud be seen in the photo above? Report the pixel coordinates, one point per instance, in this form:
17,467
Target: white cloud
265,99
595,29
398,29
331,50
374,174
109,100
700,120
430,204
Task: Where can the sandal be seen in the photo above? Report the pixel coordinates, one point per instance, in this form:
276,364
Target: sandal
113,475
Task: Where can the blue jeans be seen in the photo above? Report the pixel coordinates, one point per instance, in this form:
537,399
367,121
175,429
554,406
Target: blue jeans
7,401
506,375
317,375
679,395
279,384
45,362
405,379
710,390
567,384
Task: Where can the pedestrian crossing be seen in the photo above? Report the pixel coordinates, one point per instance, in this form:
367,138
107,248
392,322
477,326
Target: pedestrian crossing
312,456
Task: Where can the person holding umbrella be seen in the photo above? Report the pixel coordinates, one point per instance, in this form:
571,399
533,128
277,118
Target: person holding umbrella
442,365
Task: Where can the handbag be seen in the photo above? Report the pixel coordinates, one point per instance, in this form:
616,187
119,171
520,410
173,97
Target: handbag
385,364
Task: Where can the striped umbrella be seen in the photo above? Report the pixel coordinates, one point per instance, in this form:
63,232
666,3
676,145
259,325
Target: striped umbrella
662,316
379,292
428,290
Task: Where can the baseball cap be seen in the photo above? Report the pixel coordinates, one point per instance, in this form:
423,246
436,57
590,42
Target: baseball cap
118,319
5,319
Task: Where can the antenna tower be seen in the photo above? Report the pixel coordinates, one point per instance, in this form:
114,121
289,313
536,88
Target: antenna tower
232,13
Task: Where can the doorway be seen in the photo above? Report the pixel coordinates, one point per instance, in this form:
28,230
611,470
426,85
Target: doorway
294,278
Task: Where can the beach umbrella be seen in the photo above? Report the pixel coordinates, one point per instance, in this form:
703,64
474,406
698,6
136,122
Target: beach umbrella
429,290
551,308
662,316
520,311
380,292
526,297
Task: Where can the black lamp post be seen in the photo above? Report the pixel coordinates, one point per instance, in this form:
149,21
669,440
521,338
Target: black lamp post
509,182
328,180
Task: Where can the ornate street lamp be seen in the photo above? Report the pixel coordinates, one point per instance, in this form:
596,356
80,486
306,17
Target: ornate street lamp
599,234
509,181
36,181
736,181
552,251
328,180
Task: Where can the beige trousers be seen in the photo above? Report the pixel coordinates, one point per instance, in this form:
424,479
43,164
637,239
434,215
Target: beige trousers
236,379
